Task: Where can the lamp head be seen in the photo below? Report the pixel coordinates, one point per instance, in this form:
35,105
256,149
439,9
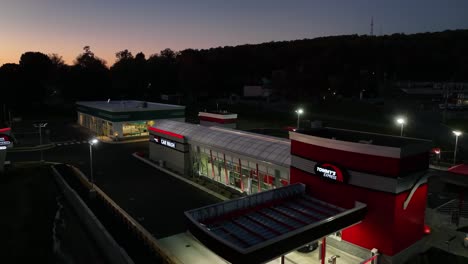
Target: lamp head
401,120
300,111
457,133
93,141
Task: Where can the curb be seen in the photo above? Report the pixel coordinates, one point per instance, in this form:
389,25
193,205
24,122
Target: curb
215,194
31,149
124,142
112,251
32,163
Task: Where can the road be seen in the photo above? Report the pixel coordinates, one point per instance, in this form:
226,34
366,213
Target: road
155,199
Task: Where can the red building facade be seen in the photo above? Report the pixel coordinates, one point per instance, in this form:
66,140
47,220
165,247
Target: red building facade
384,172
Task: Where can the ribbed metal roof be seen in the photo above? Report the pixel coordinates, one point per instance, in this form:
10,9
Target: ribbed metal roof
263,226
261,147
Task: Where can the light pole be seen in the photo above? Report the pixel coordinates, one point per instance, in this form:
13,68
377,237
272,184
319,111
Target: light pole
92,142
457,134
437,152
401,121
40,126
299,113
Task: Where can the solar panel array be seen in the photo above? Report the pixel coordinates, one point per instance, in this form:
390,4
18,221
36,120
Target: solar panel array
261,147
259,225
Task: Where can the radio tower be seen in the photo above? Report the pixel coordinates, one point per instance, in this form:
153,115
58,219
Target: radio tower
372,26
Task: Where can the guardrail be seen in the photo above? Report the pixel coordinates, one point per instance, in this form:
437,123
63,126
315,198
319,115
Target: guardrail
112,251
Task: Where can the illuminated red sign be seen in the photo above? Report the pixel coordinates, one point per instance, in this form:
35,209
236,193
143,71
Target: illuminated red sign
330,171
4,140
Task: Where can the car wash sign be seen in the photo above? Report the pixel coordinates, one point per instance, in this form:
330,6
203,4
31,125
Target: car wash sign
5,141
164,142
330,172
168,143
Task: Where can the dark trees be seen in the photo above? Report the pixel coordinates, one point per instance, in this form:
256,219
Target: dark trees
89,78
297,70
129,76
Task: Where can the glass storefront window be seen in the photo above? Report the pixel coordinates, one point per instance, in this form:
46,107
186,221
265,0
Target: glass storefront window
132,129
244,176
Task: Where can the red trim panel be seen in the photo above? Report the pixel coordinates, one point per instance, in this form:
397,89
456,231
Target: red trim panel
218,120
157,130
2,130
379,165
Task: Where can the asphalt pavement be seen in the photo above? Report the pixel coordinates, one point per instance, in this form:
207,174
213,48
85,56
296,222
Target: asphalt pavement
155,199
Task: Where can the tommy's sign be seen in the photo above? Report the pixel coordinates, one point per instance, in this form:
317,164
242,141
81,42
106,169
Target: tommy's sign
329,171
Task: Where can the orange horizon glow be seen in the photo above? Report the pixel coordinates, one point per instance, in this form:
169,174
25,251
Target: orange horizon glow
65,27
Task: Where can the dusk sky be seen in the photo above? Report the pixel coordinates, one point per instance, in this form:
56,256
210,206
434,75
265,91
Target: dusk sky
65,26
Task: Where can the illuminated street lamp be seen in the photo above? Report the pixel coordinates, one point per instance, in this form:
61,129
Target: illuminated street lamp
437,152
457,134
401,121
299,112
92,142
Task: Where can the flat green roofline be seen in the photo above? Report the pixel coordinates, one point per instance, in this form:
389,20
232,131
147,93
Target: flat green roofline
131,115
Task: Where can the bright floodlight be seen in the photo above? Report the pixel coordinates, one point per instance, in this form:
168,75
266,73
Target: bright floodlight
93,141
401,120
299,111
457,133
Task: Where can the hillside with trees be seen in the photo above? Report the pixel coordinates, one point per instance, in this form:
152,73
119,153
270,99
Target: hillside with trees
293,69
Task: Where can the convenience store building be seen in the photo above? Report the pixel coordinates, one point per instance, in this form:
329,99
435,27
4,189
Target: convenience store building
378,183
125,119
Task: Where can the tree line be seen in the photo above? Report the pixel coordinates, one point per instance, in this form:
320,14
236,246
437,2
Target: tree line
294,70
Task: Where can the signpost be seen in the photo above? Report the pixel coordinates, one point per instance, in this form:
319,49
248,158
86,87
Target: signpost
40,126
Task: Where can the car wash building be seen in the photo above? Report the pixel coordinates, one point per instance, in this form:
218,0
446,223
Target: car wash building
125,119
245,161
363,193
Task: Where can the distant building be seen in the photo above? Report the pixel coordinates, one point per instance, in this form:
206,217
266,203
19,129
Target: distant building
125,119
172,98
432,88
256,91
453,94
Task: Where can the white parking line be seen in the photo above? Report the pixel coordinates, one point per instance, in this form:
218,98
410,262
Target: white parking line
84,141
59,144
66,143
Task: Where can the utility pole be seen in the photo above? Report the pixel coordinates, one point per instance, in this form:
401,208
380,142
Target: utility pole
40,126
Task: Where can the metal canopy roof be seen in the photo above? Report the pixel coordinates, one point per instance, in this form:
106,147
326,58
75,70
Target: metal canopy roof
261,147
267,225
